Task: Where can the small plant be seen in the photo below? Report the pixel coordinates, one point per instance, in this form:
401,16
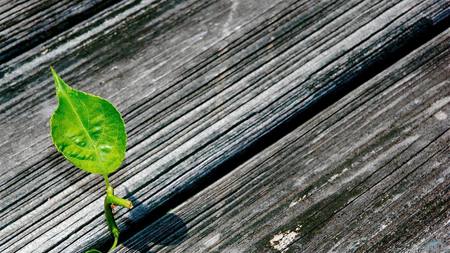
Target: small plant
89,132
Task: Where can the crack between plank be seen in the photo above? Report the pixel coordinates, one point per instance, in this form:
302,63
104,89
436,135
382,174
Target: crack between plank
415,36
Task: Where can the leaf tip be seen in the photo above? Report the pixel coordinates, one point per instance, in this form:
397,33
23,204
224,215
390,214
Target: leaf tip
59,83
54,74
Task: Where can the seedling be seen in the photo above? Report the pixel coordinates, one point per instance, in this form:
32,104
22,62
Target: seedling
89,132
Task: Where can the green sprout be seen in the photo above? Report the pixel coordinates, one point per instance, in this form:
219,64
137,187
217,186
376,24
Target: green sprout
89,132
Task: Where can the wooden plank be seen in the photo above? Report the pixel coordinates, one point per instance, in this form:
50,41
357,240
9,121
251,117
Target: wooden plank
193,97
35,170
369,174
26,24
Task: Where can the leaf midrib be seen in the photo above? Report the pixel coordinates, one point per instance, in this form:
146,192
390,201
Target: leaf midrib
64,94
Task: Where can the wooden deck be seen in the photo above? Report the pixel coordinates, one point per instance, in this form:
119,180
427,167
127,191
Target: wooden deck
253,125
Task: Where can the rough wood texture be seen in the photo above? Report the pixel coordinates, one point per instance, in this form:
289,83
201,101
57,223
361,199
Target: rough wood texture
26,24
198,82
369,174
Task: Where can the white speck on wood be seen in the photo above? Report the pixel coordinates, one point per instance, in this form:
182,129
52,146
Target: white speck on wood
440,115
382,227
209,242
234,250
281,241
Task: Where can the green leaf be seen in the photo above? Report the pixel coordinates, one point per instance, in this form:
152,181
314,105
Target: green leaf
88,130
93,251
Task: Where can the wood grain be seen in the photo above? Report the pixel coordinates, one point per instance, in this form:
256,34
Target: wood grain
26,24
197,81
369,174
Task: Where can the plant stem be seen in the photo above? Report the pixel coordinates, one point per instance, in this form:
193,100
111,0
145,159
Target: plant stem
106,181
116,240
110,220
110,199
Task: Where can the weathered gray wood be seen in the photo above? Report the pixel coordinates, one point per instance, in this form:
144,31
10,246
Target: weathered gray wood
35,166
26,24
369,174
220,75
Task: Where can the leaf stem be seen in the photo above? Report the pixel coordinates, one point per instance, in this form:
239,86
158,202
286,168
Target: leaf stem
110,220
116,240
111,199
119,201
106,181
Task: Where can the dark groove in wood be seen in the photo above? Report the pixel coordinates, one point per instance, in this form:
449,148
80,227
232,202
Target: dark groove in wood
246,56
354,189
382,174
53,31
420,33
